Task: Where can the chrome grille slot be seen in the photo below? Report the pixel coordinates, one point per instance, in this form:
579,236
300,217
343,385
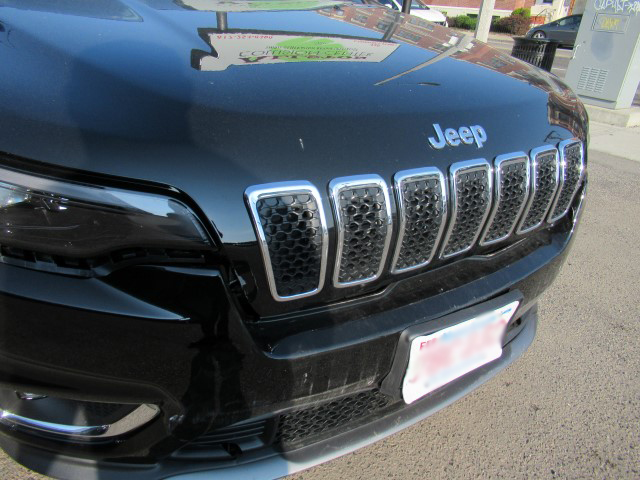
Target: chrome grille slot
291,228
510,196
470,191
363,223
422,205
571,170
544,183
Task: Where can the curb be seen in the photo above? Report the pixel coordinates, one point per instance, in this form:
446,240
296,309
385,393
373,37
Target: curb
624,117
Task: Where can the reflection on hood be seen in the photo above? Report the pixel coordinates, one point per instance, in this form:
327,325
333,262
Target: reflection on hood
255,5
260,48
104,9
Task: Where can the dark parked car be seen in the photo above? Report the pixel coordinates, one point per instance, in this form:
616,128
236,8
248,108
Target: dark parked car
563,30
216,259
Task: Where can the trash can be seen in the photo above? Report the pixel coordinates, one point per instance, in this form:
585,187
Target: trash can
535,51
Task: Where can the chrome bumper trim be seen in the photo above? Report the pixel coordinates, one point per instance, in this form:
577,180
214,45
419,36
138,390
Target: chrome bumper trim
135,419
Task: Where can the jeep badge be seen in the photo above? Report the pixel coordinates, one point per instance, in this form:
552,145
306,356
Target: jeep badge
453,137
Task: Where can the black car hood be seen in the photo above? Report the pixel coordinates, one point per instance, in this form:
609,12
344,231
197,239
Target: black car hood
210,100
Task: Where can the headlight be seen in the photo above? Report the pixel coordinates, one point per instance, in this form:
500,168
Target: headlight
53,217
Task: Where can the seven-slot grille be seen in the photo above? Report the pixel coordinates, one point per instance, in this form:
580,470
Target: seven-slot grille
363,220
479,203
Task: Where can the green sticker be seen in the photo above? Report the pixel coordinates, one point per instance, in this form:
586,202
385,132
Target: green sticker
310,49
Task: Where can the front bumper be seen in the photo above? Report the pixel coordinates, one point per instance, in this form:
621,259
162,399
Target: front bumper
206,365
268,463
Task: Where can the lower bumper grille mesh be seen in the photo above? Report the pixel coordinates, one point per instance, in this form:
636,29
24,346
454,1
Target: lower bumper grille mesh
298,426
236,433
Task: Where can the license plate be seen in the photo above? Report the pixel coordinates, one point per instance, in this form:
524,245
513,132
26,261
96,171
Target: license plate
443,356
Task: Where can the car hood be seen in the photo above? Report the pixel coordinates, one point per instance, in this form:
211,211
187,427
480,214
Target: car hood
213,96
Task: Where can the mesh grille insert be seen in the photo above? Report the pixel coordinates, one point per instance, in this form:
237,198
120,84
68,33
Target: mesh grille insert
511,193
292,230
572,163
421,196
340,414
544,179
471,198
363,221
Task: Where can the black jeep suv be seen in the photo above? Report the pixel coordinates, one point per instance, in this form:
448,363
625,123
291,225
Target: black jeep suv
244,237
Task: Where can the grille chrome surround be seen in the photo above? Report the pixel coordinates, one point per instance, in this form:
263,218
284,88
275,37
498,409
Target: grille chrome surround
277,200
510,195
362,211
571,175
545,169
414,217
440,214
465,209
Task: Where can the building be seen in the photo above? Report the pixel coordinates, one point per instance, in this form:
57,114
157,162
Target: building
544,10
502,8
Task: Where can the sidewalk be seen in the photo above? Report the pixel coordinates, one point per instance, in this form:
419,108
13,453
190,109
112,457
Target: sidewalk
621,142
504,37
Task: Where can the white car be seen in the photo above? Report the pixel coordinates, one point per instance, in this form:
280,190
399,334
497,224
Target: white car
419,9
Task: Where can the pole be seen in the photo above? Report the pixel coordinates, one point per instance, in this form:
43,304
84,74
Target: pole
406,6
221,18
484,20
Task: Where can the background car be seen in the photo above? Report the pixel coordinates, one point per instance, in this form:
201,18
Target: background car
419,9
563,30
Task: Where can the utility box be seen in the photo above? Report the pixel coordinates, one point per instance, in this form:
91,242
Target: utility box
605,67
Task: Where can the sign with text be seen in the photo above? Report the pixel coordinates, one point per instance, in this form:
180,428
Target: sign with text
608,22
243,49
